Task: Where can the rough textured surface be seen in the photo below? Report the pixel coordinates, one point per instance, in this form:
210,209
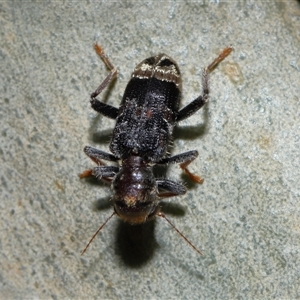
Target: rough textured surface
245,217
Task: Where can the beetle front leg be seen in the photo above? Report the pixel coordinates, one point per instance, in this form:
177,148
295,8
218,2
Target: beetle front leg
96,155
105,172
195,105
169,188
102,108
184,159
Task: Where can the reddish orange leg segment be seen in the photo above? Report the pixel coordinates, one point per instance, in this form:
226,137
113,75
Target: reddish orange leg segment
194,177
221,56
86,173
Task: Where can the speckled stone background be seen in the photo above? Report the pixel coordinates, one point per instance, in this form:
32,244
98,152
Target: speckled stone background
245,217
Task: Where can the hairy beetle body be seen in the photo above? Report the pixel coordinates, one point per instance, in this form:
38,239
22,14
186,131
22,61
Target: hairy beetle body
144,126
147,115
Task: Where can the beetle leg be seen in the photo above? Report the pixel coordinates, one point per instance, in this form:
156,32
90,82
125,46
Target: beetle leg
169,188
102,108
86,173
105,172
96,155
179,158
194,177
184,159
196,104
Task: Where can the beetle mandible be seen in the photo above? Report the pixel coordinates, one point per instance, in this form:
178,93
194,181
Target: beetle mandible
145,120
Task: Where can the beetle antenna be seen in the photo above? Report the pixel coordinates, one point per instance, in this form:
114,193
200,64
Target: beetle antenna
88,244
181,234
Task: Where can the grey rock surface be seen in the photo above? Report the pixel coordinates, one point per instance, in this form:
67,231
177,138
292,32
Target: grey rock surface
245,217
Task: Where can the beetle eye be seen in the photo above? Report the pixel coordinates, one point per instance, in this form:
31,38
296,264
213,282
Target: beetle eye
138,204
165,63
150,61
121,203
143,204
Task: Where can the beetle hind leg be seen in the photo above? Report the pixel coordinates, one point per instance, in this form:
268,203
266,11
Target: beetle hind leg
196,104
102,108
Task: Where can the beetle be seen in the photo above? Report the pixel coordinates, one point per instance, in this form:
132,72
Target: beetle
145,120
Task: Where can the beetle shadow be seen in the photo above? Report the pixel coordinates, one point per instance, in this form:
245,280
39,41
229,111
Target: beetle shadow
136,244
91,180
102,204
189,132
194,131
102,137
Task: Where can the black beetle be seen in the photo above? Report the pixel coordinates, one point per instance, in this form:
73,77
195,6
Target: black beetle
144,127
